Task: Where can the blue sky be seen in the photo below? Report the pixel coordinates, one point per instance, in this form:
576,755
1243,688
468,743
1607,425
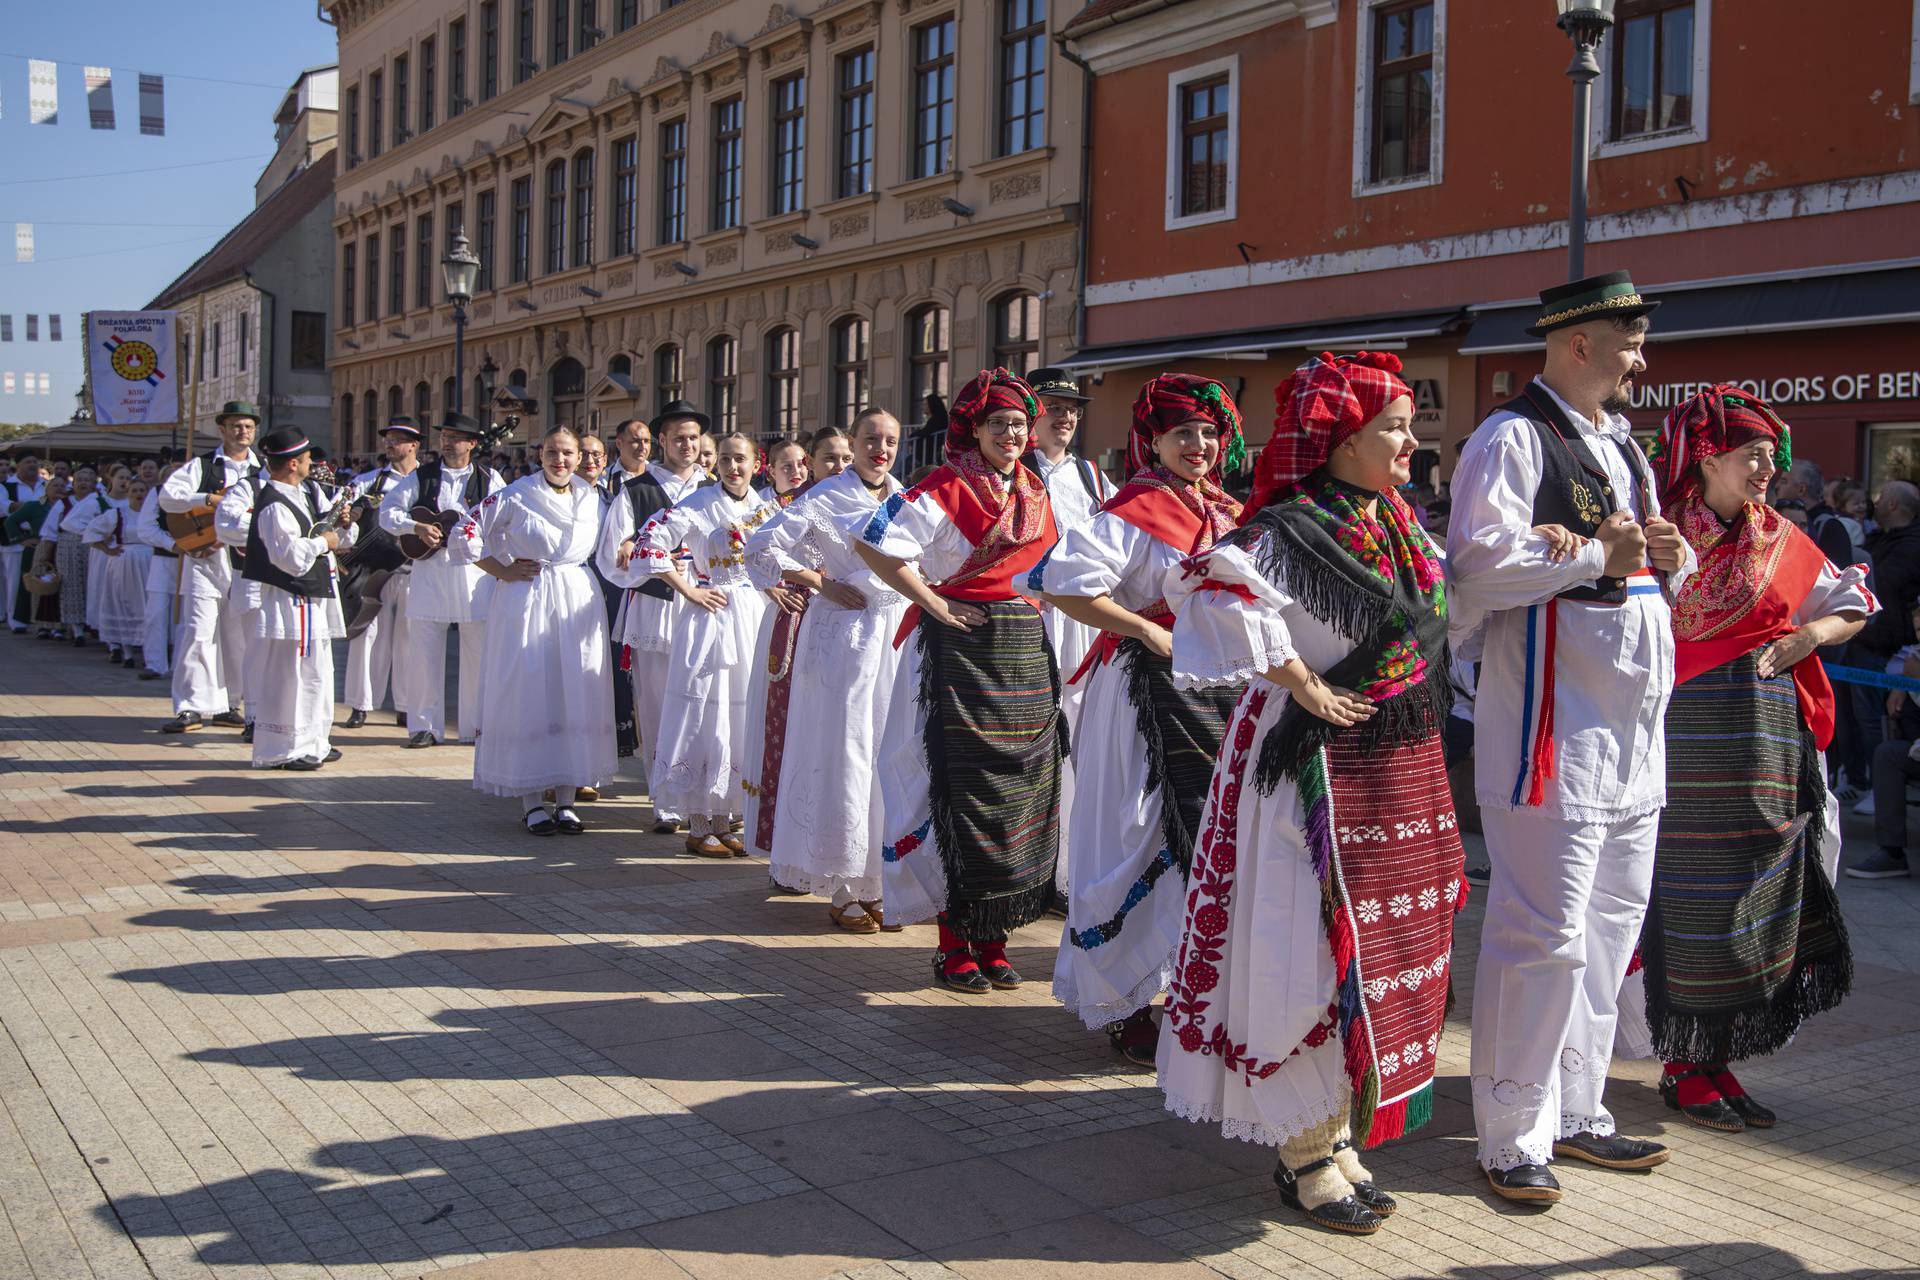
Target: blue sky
153,234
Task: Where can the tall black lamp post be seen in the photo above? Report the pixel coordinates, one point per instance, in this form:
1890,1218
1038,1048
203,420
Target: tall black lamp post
459,270
1585,22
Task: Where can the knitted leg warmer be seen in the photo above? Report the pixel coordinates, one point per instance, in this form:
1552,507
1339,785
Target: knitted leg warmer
1323,1185
1349,1159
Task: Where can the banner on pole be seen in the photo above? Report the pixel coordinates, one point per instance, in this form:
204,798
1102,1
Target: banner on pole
131,368
153,105
43,92
100,97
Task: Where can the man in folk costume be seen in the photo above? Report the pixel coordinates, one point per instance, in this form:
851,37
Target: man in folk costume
232,522
650,612
371,654
164,571
290,558
1570,762
443,592
208,642
23,486
633,450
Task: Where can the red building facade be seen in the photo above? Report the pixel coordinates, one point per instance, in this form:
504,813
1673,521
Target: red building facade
1270,178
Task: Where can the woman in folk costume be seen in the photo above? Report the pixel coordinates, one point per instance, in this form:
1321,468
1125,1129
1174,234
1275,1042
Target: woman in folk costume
546,683
122,573
1143,749
114,486
1743,938
697,762
791,464
1311,984
66,528
818,813
971,754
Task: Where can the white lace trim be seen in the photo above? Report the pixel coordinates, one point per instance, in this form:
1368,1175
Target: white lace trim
1097,1015
1512,1158
1500,1098
1269,1135
1599,1126
824,884
1233,671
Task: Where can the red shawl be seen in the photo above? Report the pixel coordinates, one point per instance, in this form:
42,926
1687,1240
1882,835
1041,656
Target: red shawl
1753,575
1009,530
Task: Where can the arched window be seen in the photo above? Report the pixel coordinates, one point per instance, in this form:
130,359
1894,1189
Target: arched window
481,410
723,383
668,380
622,365
567,384
448,390
783,382
556,216
1016,333
346,421
422,403
396,404
582,208
852,373
370,420
929,357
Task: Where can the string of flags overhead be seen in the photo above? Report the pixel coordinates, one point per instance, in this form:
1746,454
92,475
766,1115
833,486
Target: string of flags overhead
43,98
32,328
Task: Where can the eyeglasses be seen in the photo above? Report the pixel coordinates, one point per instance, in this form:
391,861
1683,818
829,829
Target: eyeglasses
1004,426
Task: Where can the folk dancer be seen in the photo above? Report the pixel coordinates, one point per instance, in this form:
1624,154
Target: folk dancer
696,765
1144,748
208,642
650,613
122,573
164,569
114,484
371,664
547,720
24,486
66,527
830,670
1570,769
1311,984
232,525
443,592
25,523
1744,939
633,451
289,557
970,757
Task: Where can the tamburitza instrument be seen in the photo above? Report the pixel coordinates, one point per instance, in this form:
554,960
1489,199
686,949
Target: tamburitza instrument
192,529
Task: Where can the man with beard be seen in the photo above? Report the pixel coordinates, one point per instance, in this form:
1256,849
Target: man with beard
1576,655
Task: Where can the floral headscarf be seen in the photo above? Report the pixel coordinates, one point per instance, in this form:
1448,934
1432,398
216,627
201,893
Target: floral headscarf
1716,421
1320,404
989,391
1169,399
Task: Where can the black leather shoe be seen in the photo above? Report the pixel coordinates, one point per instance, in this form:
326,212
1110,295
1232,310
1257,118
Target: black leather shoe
1136,1038
1615,1151
1718,1114
129,662
569,822
305,764
231,718
246,735
333,753
1526,1184
1346,1215
150,675
356,720
423,739
1367,1193
540,822
1002,975
400,718
968,982
185,722
1740,1101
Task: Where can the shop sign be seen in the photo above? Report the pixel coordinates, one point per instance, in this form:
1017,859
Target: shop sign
1428,407
1844,388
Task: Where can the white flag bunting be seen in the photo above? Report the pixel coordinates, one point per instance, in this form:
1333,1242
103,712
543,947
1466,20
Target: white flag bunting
100,97
153,107
23,242
43,91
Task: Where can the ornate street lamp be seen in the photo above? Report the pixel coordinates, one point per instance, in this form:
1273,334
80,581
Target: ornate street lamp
1585,22
459,270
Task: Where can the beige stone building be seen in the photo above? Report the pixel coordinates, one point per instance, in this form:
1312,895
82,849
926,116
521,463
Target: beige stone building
781,213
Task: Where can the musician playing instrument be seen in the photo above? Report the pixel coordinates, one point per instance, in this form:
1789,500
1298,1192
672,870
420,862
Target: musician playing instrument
371,654
206,669
443,593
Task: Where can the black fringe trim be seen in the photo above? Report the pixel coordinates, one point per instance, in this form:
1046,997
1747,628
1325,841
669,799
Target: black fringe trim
1147,723
1342,600
992,919
1411,716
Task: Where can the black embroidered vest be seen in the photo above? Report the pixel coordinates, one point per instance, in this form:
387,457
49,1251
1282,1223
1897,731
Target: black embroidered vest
476,491
1575,490
317,582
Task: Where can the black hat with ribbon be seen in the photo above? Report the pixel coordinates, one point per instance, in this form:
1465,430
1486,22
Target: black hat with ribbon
1611,296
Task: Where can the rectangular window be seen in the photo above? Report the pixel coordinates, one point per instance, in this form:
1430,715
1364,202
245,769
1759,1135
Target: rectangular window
783,382
349,271
401,132
723,378
456,222
856,123
200,365
583,208
556,216
376,114
667,377
629,13
933,98
489,50
1652,86
353,126
626,195
560,32
396,269
424,260
370,266
523,64
1204,120
1023,75
307,344
456,67
216,348
483,240
586,23
673,181
789,145
728,163
246,327
522,233
429,86
1402,92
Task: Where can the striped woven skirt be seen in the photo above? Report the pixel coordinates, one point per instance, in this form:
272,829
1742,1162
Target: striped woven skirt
70,557
994,740
1743,939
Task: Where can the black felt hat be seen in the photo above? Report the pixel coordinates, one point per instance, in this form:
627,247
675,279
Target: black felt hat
1056,382
1611,296
674,412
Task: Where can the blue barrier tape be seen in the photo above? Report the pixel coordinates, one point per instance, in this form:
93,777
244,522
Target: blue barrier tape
1876,679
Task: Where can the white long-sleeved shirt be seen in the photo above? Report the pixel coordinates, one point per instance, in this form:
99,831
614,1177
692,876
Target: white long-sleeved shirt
644,622
443,588
162,571
280,615
208,576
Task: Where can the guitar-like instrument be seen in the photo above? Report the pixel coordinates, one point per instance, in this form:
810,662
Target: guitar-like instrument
414,546
192,529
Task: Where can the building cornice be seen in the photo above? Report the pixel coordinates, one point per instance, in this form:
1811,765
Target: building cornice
1174,29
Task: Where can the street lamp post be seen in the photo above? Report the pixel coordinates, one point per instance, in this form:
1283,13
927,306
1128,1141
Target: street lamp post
1585,22
488,372
459,270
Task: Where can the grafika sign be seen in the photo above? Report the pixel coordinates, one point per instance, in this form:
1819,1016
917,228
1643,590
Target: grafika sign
1818,388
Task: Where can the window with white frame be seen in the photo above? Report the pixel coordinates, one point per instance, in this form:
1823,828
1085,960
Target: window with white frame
1203,143
1652,90
1399,103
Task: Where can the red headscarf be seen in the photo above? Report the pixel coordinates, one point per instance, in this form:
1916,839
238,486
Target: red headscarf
1716,421
1320,404
990,391
1169,399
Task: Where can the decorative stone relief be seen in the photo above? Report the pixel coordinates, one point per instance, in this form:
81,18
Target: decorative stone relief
923,275
778,242
964,331
719,255
967,268
1010,255
922,207
777,17
848,224
1051,255
663,270
1014,186
696,317
620,279
753,308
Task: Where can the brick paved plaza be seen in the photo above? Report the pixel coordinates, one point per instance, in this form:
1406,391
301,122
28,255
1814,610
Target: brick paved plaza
356,1024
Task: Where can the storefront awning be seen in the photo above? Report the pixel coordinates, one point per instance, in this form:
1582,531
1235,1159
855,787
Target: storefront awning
1256,343
1877,295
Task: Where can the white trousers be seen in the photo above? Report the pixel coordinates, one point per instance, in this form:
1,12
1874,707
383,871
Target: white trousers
207,649
427,660
10,582
253,664
159,626
1563,917
370,656
293,712
649,695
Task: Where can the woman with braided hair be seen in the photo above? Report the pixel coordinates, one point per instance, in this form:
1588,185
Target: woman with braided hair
1743,939
970,757
1144,748
1311,982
